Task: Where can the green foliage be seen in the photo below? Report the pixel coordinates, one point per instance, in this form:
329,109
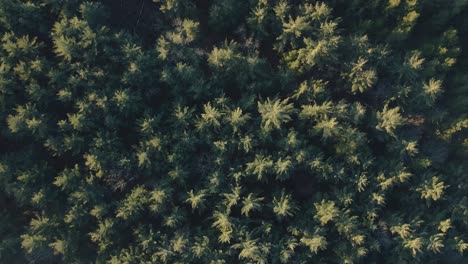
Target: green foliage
251,204
274,114
181,131
361,78
284,206
196,200
326,211
315,243
134,204
390,119
432,189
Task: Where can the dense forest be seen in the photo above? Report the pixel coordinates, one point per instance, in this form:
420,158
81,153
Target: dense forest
229,131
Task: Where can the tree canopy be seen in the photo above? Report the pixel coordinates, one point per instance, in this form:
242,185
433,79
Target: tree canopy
281,131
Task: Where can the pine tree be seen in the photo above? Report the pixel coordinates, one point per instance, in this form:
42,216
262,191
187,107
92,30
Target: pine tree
177,131
274,114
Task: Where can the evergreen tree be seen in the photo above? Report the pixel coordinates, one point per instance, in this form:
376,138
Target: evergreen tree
182,131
